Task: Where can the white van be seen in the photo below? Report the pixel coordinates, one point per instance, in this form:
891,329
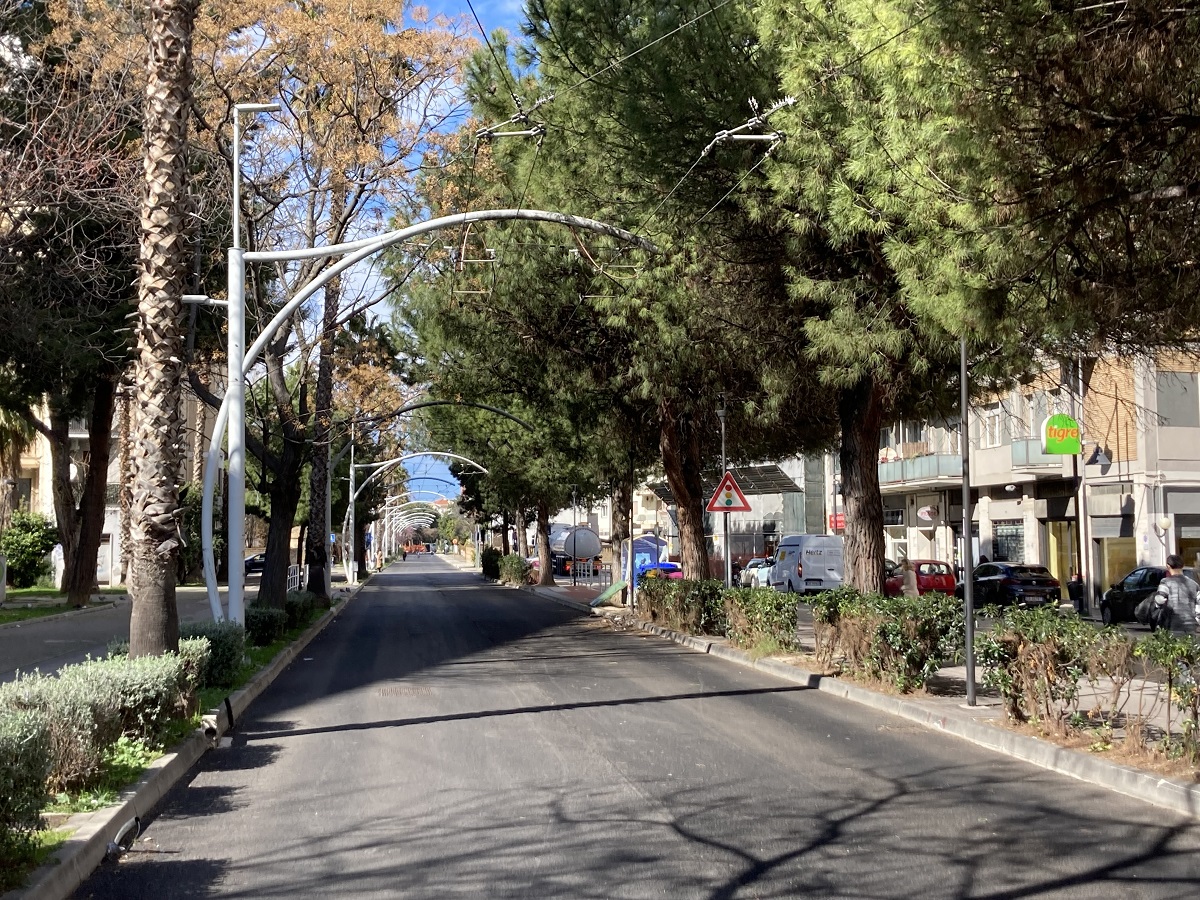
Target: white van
807,563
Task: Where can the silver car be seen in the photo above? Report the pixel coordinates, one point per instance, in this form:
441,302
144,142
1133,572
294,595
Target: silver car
755,573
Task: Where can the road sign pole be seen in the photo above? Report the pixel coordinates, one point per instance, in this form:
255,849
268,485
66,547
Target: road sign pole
725,515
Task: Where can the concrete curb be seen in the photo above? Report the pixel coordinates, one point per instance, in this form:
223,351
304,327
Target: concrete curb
66,614
83,852
1178,796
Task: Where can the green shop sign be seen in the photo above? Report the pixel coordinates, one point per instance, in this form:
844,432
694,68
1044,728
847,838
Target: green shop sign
1060,436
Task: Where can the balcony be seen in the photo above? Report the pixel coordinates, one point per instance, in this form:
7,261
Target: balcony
1029,453
931,467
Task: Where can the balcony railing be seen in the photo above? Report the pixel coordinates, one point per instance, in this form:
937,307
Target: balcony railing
1029,453
921,468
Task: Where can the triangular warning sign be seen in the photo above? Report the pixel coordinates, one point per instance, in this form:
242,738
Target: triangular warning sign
729,497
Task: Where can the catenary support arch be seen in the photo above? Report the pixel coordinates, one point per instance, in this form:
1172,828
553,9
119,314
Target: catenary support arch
231,414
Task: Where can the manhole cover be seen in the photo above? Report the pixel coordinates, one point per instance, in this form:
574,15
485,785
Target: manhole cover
396,691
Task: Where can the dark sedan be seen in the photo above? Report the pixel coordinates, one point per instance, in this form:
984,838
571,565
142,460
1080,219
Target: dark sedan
1013,584
1120,600
256,562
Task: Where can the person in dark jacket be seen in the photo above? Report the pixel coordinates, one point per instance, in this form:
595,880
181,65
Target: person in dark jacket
1178,594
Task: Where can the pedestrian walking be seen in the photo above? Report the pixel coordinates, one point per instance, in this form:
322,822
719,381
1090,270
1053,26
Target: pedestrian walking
908,579
1176,597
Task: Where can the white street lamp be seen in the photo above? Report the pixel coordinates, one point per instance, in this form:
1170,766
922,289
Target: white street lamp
236,388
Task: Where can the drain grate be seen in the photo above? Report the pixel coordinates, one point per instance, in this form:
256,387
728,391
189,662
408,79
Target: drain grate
397,691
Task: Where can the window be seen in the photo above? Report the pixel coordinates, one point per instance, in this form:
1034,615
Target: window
1177,399
989,426
1008,541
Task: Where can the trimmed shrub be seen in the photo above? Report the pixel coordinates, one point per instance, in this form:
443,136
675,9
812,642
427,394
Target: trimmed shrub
757,614
489,561
512,569
227,649
88,706
902,641
194,654
1035,659
299,606
695,607
265,625
24,767
26,541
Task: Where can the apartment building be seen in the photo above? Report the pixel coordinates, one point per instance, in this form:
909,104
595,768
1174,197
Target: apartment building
1129,499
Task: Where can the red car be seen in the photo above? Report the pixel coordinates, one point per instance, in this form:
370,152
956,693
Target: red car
931,576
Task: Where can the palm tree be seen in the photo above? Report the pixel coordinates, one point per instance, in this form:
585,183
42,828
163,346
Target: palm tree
154,533
15,437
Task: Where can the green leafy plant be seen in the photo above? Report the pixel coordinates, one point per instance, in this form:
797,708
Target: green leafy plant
489,561
1178,656
264,625
227,649
24,766
26,541
694,607
761,617
513,569
1035,659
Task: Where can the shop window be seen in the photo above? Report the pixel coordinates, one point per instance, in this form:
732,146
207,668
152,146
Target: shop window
1178,406
1008,542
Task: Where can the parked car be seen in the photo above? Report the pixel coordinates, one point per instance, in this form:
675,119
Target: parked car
808,562
659,570
1120,600
752,570
1009,584
932,575
256,562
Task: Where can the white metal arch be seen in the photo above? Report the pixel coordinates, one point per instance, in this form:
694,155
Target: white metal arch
242,361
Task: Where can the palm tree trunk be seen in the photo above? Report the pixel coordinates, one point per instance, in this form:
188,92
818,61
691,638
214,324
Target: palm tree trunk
154,540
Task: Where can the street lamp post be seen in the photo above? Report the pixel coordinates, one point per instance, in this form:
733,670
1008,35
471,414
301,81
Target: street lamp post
236,389
725,515
968,560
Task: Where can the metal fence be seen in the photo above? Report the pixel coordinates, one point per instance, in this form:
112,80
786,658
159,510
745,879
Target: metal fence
297,577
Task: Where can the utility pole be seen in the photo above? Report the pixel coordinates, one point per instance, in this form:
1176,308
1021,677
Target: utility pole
725,515
968,560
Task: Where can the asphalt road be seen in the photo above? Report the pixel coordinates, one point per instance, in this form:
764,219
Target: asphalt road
53,642
444,738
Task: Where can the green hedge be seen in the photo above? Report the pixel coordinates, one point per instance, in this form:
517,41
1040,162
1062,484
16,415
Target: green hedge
697,607
513,569
902,641
24,767
265,625
87,706
489,562
227,649
755,615
299,607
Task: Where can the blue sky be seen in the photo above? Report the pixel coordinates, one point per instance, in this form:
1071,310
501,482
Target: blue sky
492,14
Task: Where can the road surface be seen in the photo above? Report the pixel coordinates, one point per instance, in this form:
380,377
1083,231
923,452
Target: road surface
447,738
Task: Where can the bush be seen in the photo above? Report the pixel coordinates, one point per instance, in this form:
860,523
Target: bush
512,569
194,654
1035,659
902,641
299,606
1179,657
265,625
88,706
489,561
25,543
227,649
756,615
695,607
24,767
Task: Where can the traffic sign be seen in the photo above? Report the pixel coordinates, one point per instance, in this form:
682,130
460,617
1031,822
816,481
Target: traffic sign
728,497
